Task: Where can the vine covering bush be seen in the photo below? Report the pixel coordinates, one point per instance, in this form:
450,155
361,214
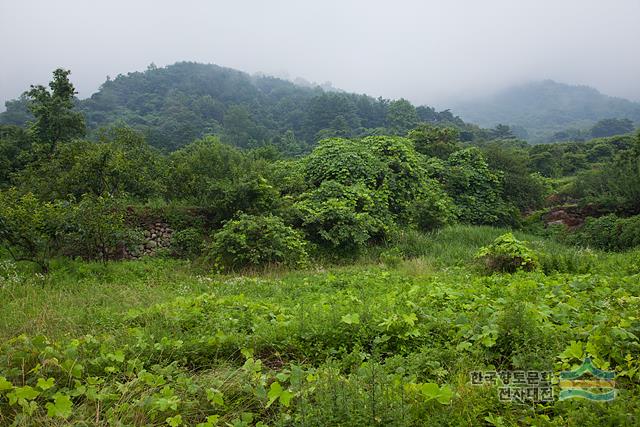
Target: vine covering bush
507,254
257,241
342,218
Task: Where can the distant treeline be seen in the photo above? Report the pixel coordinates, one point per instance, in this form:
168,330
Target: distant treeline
174,105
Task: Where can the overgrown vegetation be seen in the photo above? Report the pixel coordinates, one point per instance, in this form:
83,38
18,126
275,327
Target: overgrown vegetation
359,284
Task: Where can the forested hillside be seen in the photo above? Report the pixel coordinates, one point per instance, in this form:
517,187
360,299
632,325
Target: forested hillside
548,111
174,105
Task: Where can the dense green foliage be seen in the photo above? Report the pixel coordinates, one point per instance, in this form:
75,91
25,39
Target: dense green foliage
287,337
55,120
256,241
507,254
609,232
29,228
174,105
96,229
475,188
120,163
150,342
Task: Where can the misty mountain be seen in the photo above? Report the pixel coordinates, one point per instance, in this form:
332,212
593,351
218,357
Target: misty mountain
540,109
176,104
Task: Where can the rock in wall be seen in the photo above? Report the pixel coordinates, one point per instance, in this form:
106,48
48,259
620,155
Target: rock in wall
156,236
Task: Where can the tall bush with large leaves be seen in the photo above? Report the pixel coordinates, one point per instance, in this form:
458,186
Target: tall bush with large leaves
361,189
475,188
256,241
343,218
345,161
624,177
405,180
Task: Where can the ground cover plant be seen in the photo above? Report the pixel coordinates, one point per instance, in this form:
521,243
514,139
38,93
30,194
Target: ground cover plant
156,343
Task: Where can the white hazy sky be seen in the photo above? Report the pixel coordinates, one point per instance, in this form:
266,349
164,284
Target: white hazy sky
426,51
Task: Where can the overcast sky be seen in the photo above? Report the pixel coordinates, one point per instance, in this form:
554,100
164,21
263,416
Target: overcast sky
425,51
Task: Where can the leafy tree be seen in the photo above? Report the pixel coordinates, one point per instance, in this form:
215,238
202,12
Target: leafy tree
364,188
521,187
610,127
331,114
239,128
435,141
17,112
401,116
600,152
120,163
55,120
475,188
501,132
30,229
15,152
212,174
545,163
623,178
405,179
345,161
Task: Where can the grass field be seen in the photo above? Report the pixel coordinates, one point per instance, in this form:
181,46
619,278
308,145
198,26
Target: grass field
391,342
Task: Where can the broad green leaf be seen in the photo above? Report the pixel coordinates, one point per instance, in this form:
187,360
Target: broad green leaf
430,390
5,385
445,396
275,390
215,396
574,350
45,384
61,406
174,421
285,397
351,319
26,392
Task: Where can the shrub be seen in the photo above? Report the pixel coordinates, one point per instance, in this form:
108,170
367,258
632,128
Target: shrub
257,241
609,232
405,178
30,229
347,162
96,228
187,243
343,218
507,254
433,210
474,187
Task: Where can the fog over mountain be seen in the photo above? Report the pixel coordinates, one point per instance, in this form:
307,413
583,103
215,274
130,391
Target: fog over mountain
539,110
425,51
